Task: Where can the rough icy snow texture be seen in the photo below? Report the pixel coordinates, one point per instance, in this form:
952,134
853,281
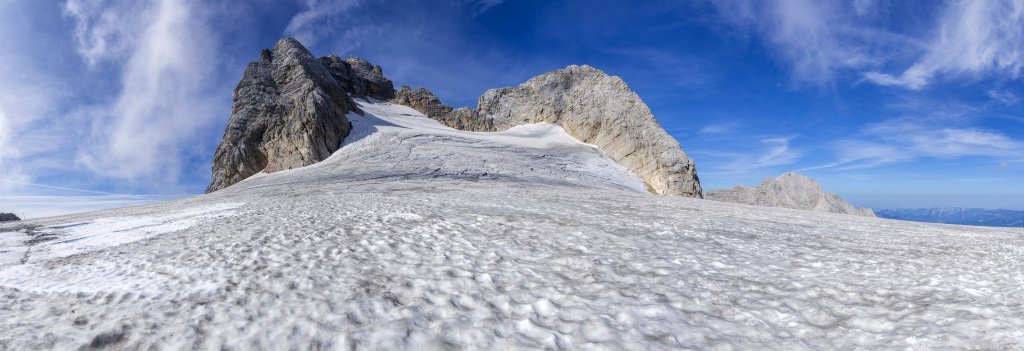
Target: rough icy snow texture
389,245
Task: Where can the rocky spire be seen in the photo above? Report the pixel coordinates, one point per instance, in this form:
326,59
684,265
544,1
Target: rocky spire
289,111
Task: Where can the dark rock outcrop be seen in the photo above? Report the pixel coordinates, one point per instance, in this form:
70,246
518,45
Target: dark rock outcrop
289,111
359,77
8,217
591,106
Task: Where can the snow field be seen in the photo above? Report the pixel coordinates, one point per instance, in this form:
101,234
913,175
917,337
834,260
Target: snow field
415,238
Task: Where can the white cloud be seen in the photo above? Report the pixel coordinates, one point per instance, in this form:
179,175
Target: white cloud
862,7
164,98
307,26
481,6
7,150
820,40
27,94
973,37
906,139
1004,97
719,128
772,152
816,39
104,29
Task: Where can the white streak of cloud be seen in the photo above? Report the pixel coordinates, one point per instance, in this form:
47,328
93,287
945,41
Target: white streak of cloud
974,37
307,25
1004,97
719,128
904,139
163,101
773,152
815,39
481,6
103,29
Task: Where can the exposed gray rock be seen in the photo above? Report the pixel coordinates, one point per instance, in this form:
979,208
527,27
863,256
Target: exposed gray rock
289,111
789,190
424,101
8,217
359,77
591,106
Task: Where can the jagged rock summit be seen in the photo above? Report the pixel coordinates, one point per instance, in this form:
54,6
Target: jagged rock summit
289,111
789,190
591,106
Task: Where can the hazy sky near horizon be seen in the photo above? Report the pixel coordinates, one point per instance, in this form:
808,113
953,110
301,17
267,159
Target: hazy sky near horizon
888,103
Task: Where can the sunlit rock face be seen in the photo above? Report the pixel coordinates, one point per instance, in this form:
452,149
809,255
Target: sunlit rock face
591,106
789,190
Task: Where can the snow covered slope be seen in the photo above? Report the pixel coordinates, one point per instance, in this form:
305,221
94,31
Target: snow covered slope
416,236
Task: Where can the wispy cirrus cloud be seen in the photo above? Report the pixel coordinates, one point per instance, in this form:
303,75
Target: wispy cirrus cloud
720,128
769,152
906,139
168,56
318,18
481,6
972,37
818,40
29,93
102,29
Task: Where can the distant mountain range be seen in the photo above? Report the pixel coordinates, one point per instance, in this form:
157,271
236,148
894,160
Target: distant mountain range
966,216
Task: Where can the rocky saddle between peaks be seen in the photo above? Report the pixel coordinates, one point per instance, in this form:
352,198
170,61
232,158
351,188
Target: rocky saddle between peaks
289,111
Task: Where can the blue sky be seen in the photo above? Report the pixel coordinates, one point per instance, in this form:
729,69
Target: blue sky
888,103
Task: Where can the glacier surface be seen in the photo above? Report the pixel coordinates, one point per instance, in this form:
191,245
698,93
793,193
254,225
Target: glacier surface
417,236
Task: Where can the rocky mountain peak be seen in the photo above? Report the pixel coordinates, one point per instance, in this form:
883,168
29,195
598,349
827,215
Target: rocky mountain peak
289,111
790,190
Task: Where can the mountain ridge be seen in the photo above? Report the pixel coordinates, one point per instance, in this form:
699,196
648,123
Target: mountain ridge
289,111
789,190
957,215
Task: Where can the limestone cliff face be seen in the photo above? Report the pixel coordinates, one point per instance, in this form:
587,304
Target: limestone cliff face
789,190
289,111
591,106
